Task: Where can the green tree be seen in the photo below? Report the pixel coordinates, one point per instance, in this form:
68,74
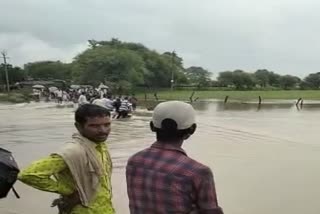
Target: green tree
225,78
175,59
103,63
266,78
238,78
116,61
243,80
288,81
48,70
198,76
158,70
15,74
313,80
274,79
176,67
262,77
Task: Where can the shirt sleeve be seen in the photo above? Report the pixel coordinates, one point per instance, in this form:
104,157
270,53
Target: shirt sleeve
40,175
206,194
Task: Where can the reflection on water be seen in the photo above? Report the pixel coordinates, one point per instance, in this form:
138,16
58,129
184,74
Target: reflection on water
264,160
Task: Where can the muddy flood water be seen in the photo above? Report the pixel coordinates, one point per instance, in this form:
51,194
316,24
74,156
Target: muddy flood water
264,161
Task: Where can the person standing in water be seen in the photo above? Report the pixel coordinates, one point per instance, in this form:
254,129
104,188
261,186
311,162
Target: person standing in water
98,101
59,96
108,102
81,172
125,108
117,104
134,101
82,99
162,179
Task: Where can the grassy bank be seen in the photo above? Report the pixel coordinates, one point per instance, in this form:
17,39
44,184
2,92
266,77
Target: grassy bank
233,95
14,97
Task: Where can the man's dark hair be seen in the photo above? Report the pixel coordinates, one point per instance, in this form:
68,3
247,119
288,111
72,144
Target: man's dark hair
88,111
169,131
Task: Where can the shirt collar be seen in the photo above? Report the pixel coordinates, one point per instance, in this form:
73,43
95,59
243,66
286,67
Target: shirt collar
169,147
101,146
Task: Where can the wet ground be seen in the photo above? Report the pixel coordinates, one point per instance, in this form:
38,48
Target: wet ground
265,160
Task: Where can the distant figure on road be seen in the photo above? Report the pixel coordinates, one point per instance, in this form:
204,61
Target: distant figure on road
162,179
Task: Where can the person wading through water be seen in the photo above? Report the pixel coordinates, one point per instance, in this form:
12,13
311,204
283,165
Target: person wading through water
162,179
82,170
125,108
117,104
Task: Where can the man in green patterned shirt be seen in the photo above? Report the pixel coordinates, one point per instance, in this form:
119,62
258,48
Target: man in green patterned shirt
81,173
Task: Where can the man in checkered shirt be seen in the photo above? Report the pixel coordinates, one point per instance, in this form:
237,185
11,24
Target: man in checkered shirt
162,179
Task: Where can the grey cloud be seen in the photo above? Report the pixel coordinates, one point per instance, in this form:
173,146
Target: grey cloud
280,35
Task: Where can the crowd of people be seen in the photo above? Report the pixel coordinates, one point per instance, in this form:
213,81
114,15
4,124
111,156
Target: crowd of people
121,106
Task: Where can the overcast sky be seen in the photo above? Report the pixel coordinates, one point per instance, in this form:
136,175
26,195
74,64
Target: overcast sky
279,35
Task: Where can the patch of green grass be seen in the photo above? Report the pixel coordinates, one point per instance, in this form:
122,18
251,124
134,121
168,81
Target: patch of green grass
234,95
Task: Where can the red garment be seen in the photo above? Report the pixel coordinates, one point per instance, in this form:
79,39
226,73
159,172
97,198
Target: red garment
162,179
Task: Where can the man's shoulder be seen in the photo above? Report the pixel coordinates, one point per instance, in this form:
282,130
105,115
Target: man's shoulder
71,150
196,168
139,155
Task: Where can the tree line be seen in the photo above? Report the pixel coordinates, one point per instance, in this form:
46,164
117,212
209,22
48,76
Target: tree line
128,65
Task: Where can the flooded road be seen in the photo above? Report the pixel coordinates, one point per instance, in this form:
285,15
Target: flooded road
264,161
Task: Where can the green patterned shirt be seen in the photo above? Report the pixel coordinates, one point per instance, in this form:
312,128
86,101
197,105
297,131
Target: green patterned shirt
40,176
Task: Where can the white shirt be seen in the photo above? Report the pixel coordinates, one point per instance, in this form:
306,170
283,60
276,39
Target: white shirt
65,96
108,103
59,93
101,94
125,106
36,92
98,102
82,100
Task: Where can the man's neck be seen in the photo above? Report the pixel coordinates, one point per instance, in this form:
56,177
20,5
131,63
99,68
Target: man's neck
94,142
177,144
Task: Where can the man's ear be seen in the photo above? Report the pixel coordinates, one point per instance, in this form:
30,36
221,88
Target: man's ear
193,128
153,129
78,126
190,131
